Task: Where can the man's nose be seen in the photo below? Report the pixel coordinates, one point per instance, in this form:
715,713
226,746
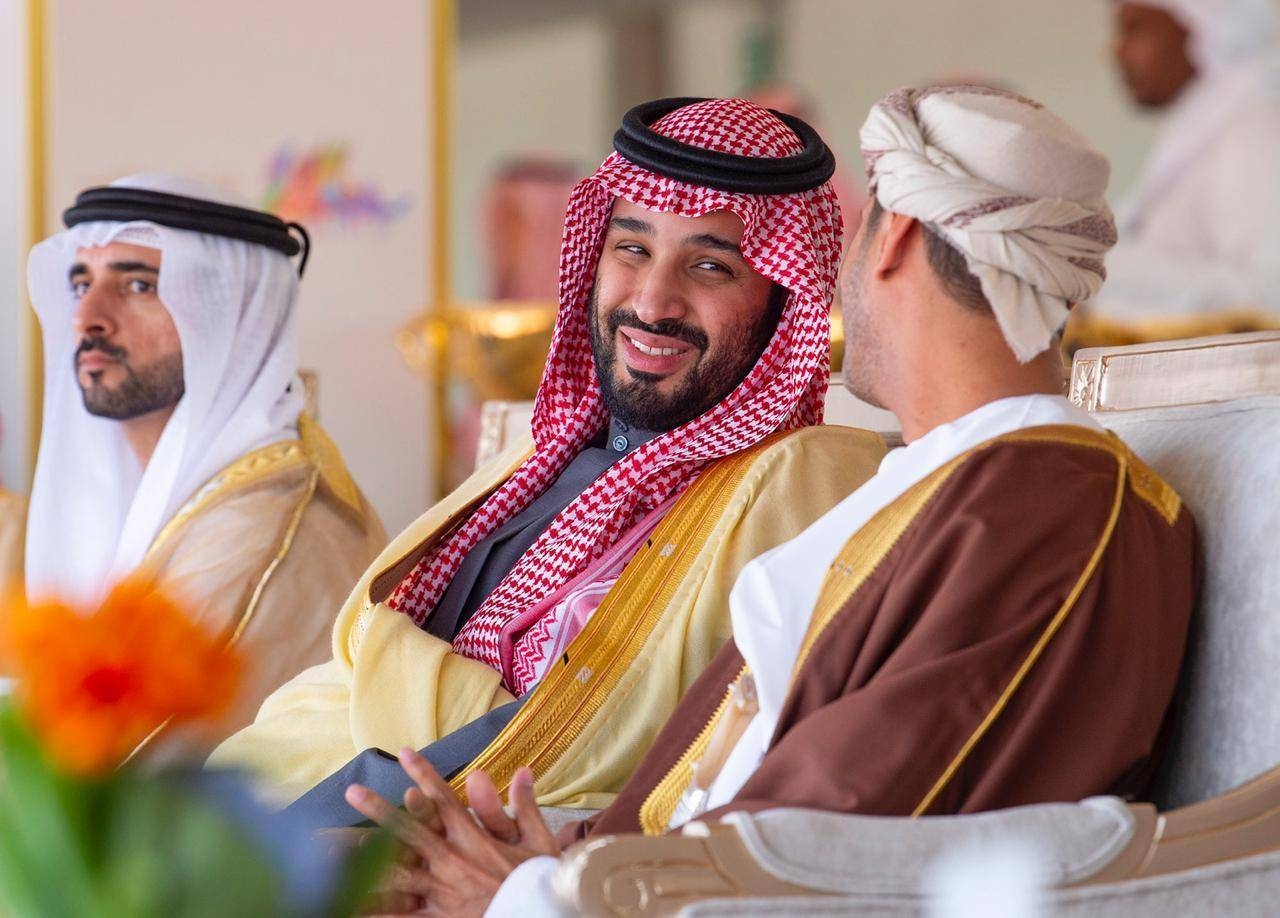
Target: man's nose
94,317
660,296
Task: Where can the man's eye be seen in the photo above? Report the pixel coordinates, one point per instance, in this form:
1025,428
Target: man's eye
79,289
631,248
141,286
713,266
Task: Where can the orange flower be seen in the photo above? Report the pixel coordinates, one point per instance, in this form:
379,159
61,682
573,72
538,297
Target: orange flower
94,687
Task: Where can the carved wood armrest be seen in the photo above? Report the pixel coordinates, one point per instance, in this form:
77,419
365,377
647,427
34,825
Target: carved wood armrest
646,875
1240,823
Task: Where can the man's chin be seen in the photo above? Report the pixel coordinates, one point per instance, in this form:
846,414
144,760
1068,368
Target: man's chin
863,391
646,404
110,405
633,375
94,397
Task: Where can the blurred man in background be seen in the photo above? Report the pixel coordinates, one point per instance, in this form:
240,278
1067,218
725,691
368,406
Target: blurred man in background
1197,234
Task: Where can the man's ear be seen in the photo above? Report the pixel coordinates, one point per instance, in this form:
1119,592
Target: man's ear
896,235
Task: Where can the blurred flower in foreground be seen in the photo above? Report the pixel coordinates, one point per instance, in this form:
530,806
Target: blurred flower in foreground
86,831
92,687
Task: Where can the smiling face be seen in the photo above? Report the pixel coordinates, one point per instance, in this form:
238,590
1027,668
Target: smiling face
128,360
678,317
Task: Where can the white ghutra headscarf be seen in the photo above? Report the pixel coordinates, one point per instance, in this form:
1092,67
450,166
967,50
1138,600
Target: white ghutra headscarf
1010,185
94,512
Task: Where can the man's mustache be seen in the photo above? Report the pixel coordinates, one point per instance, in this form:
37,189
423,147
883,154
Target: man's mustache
114,351
667,328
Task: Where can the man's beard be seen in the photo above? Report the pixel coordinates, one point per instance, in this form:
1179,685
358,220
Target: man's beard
863,354
640,403
152,388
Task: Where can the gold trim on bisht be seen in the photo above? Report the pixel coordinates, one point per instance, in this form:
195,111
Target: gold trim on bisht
576,685
246,614
324,455
865,550
658,808
313,447
245,471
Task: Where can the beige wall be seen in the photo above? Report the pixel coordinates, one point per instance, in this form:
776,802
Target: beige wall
707,41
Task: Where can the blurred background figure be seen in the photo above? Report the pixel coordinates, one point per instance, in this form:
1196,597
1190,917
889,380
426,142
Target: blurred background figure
524,218
1197,232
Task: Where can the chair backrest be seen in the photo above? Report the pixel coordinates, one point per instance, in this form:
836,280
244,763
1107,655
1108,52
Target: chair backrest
1205,413
1176,373
502,422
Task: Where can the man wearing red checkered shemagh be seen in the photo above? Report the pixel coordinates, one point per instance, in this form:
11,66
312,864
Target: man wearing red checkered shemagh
551,611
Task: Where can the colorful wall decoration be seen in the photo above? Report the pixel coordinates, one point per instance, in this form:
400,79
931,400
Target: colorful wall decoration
316,186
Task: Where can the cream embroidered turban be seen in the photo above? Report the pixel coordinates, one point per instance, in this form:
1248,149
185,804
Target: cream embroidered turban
1012,186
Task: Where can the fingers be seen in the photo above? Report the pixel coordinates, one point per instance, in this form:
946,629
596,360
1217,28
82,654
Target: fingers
424,774
391,904
407,857
487,806
413,885
532,828
423,808
409,831
457,821
371,805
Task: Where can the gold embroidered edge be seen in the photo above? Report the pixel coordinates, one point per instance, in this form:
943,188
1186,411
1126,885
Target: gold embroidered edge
564,702
657,808
1054,626
441,530
255,598
244,472
325,456
883,532
1142,479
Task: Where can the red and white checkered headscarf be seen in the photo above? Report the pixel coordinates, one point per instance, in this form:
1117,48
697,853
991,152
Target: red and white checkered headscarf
792,239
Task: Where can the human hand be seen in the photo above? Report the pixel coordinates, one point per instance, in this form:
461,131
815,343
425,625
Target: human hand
457,861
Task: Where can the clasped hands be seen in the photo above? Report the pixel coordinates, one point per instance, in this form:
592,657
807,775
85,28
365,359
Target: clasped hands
453,861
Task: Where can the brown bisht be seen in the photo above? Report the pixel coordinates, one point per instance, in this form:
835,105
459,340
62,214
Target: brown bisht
1008,631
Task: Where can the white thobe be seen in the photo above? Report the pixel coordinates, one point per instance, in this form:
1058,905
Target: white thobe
773,601
1197,234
